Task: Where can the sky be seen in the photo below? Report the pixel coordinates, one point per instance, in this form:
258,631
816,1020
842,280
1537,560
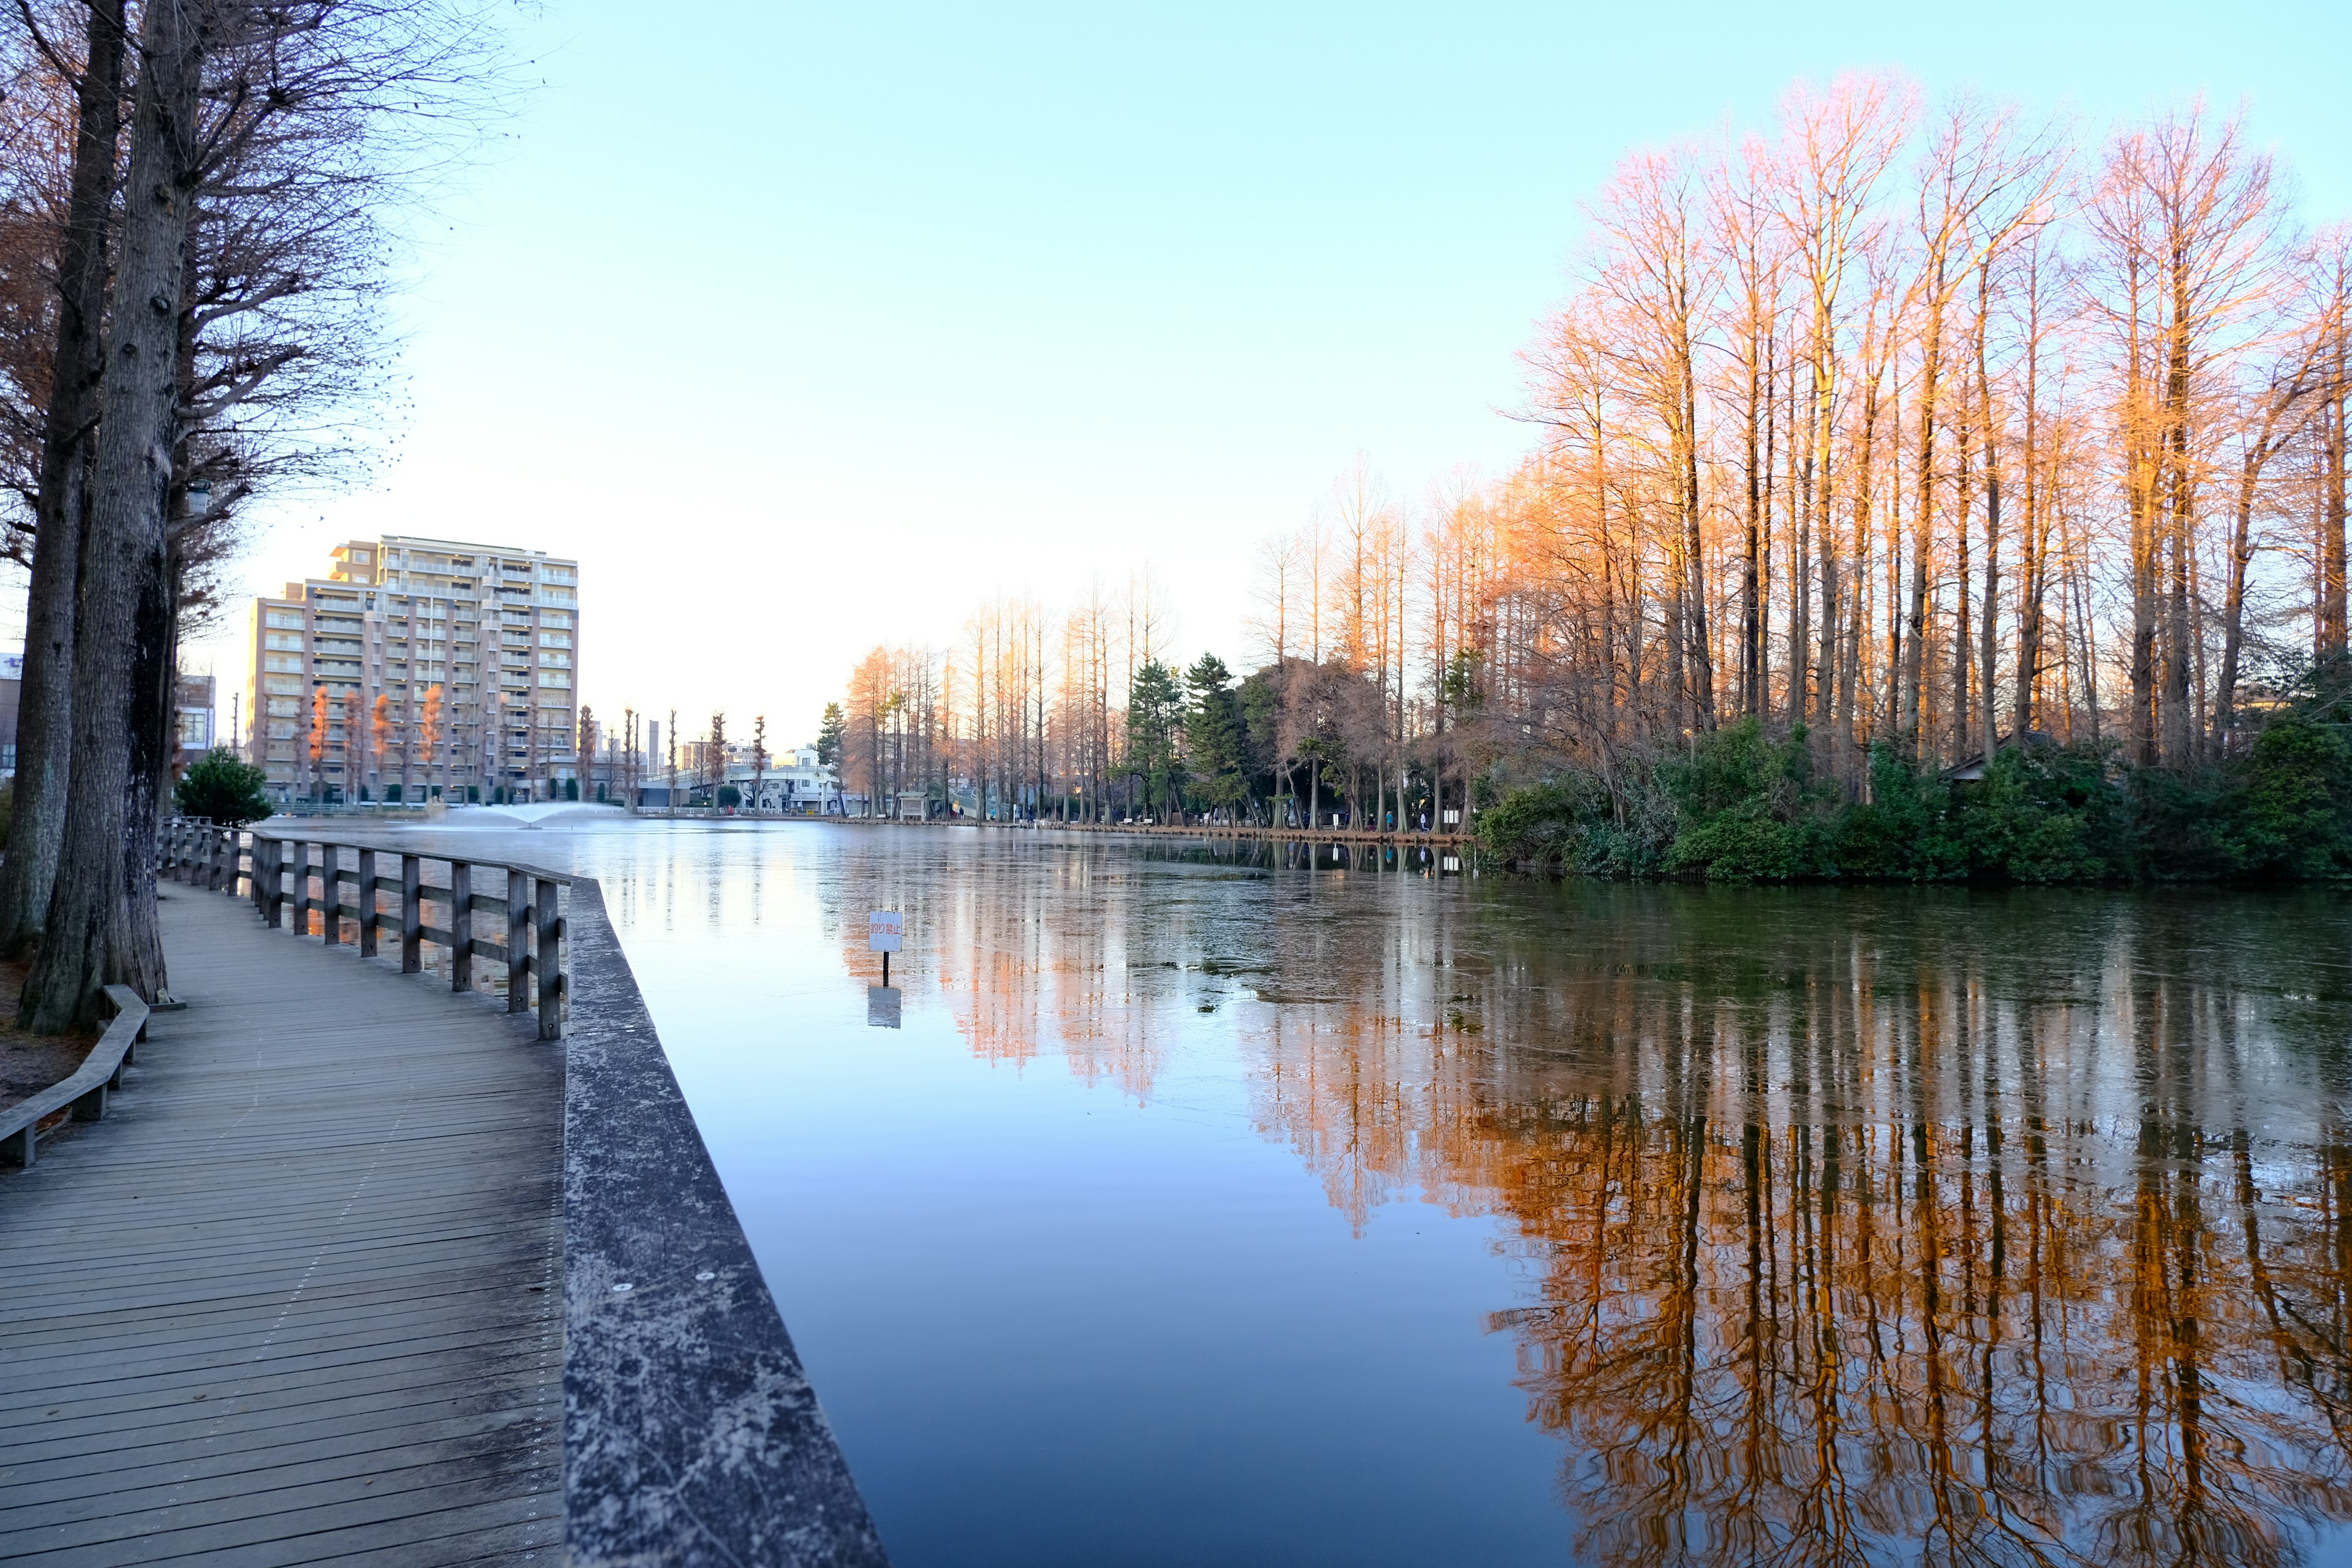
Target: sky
809,328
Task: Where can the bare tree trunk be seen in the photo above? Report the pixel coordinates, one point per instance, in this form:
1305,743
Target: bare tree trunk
1964,487
44,718
1751,625
2035,551
2331,464
1988,617
1801,565
102,920
2180,509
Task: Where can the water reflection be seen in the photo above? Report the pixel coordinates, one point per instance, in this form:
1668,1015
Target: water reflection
1813,1227
1853,1227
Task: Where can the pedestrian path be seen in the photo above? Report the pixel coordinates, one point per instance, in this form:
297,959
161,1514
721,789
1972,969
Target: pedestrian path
297,1297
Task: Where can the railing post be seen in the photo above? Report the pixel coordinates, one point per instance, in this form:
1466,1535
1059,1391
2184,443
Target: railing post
461,926
301,886
412,914
517,941
547,963
331,892
268,881
367,903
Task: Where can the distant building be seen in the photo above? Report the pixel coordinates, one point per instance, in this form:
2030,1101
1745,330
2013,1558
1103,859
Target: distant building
12,691
794,784
495,630
193,716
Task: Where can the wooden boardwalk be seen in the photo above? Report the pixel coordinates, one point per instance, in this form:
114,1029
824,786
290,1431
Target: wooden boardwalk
298,1299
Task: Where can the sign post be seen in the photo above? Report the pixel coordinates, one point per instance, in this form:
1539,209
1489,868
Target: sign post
883,929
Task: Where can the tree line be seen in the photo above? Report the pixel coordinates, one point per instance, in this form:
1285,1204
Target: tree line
1900,438
194,251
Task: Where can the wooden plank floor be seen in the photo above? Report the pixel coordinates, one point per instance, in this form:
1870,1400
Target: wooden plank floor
298,1299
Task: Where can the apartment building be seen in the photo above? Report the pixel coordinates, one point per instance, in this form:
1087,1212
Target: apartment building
418,668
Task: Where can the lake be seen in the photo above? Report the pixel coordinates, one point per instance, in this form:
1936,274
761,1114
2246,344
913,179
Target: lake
1218,1209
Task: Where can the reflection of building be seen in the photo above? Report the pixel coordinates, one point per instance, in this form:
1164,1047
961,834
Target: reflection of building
192,715
443,667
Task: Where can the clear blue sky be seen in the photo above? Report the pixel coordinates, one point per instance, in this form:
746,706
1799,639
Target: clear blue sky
809,327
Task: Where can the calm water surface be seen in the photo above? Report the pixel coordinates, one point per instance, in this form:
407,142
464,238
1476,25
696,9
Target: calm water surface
1210,1212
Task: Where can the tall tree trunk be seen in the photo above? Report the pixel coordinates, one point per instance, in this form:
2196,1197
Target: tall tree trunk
2139,489
2034,563
1702,650
1964,490
100,927
1988,608
1801,565
1750,616
1762,706
45,717
2331,464
2181,516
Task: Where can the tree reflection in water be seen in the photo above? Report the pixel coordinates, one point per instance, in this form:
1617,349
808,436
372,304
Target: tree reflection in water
1857,1226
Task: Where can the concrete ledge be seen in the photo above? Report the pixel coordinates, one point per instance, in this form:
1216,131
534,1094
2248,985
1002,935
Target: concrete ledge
690,1432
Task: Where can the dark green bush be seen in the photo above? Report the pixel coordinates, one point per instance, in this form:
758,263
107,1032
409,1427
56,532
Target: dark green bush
222,789
2041,814
2293,804
1741,806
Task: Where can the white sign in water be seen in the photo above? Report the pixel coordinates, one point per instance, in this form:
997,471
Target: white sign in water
883,929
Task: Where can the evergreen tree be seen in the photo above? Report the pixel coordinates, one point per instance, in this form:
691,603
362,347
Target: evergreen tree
1215,737
832,738
221,789
1155,718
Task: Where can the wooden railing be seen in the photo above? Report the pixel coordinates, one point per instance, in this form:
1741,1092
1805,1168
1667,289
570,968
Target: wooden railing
690,1431
257,862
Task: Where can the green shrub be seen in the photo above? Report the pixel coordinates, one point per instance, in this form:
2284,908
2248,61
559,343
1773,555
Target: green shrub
1745,844
218,786
1749,808
1539,823
2292,794
2041,814
1743,807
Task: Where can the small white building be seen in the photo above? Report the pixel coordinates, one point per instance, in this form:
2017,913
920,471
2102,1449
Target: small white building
794,784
